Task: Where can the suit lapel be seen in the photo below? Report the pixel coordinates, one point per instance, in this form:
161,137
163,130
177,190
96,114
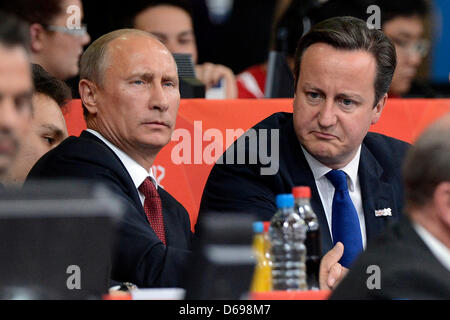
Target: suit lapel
375,193
121,172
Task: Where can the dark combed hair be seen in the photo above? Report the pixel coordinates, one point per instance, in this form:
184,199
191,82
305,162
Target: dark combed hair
349,33
427,164
34,11
13,32
141,5
50,86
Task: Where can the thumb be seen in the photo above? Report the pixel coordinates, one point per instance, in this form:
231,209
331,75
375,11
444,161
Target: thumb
335,254
329,261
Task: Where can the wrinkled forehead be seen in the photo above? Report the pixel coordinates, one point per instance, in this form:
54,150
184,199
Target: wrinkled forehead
130,49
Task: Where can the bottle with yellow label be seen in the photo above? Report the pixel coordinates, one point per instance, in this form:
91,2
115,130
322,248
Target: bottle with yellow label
262,275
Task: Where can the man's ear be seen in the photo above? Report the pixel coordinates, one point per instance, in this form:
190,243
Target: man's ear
378,109
89,95
441,200
37,33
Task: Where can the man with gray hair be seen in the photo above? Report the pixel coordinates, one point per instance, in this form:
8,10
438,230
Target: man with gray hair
412,259
130,94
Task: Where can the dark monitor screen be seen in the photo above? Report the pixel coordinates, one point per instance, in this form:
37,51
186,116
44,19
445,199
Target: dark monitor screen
279,79
56,241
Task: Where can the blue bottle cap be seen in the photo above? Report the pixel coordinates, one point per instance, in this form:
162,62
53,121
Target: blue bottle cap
285,200
258,227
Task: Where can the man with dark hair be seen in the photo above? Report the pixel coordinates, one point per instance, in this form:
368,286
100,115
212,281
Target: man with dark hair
57,35
411,260
343,71
171,22
130,90
47,128
16,89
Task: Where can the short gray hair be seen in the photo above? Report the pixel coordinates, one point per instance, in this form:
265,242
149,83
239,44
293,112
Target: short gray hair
93,60
427,164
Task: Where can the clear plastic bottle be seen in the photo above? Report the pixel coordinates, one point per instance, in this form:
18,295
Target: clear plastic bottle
287,233
262,274
302,196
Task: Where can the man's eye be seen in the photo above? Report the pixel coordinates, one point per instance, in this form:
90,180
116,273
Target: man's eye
49,140
313,95
138,82
347,102
168,84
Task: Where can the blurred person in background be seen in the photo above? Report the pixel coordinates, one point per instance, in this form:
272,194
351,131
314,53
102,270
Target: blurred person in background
16,89
287,30
57,35
47,128
171,22
403,21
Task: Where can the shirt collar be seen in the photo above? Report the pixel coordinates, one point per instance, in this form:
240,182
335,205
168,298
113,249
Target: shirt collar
319,169
439,250
137,173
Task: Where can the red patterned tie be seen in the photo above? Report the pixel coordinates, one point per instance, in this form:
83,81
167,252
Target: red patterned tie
153,208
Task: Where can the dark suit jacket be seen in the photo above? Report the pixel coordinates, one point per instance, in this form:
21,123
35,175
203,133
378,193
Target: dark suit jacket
241,187
141,258
408,269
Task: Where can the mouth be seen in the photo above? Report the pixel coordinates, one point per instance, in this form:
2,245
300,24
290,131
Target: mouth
323,135
156,124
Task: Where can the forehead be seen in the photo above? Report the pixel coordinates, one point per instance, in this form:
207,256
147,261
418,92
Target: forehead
409,27
138,53
46,111
328,67
164,19
15,70
76,11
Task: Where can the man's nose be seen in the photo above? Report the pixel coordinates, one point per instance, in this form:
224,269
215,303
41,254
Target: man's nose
158,98
8,115
327,115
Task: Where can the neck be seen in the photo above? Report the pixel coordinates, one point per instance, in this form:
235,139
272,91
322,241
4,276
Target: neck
432,224
144,156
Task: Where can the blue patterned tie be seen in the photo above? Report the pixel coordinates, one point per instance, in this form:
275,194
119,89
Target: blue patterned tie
344,221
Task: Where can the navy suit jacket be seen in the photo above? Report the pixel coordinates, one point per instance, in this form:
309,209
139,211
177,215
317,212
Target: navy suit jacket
140,257
241,187
408,269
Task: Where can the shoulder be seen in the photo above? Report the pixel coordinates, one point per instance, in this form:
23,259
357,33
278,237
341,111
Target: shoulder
380,144
75,157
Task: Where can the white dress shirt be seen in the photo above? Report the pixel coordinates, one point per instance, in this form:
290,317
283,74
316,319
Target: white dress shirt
137,173
437,248
326,188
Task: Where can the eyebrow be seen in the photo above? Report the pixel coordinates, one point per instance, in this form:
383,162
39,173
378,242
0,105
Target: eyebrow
149,76
355,96
58,133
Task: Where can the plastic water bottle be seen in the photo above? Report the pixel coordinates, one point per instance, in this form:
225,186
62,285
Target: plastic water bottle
287,234
302,206
262,275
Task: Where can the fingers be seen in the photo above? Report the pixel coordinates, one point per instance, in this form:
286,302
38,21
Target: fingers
331,272
210,74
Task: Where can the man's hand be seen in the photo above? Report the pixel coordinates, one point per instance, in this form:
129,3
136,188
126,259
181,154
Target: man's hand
210,74
331,272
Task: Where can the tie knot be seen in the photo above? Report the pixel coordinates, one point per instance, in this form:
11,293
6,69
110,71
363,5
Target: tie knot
148,189
338,179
